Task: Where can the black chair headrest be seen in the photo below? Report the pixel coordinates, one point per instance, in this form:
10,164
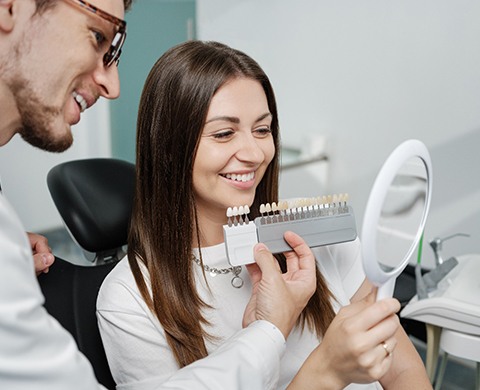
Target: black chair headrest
94,198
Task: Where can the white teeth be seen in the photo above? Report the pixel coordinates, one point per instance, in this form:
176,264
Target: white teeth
80,100
245,177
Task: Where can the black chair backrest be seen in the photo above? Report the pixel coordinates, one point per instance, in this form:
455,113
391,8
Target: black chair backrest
94,198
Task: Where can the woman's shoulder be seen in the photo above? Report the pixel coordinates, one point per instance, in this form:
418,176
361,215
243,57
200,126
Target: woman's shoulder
121,273
118,288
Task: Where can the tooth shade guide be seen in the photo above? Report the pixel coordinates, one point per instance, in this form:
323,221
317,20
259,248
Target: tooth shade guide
323,220
299,209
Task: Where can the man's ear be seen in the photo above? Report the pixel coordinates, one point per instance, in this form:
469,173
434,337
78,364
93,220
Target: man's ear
7,15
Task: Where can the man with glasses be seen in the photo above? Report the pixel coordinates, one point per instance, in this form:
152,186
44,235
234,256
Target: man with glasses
57,57
111,30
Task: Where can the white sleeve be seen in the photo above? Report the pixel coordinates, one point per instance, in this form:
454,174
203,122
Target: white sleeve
250,360
35,351
140,357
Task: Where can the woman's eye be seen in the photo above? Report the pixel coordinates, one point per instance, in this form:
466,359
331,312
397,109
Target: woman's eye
263,132
223,134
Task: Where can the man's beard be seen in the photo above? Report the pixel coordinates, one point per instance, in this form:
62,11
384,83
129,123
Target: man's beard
38,121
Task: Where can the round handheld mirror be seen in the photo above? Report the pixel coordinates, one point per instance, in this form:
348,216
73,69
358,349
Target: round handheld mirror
395,214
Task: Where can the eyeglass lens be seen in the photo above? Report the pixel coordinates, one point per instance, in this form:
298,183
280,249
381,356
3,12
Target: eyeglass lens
115,50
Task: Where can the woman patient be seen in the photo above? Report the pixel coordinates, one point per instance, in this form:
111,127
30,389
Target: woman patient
208,139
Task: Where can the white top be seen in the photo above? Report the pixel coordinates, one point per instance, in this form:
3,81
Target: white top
135,342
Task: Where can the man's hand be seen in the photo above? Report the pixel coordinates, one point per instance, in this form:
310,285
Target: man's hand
42,254
276,297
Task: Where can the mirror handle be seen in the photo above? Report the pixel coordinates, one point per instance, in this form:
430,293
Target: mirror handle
386,289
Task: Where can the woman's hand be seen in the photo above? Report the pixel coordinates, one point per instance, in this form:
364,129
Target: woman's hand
276,297
357,348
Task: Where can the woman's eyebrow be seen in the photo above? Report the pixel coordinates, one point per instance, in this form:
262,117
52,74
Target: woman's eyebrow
225,118
263,116
234,119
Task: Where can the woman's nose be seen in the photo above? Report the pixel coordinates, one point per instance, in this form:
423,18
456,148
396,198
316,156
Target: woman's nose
250,150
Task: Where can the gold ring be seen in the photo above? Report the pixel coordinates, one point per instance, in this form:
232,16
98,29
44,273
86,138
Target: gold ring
385,347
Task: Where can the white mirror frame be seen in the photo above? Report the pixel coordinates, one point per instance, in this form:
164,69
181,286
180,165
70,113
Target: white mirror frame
385,281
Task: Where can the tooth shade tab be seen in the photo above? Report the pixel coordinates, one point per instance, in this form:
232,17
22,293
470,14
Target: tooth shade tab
247,211
229,215
262,209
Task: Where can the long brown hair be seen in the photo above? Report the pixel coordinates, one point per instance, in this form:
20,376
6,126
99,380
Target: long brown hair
171,117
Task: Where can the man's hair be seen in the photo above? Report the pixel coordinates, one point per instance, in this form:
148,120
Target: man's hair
43,5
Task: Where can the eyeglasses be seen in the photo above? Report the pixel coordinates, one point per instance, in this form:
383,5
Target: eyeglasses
115,50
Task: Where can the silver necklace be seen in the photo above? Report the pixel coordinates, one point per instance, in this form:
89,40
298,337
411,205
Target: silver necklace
236,281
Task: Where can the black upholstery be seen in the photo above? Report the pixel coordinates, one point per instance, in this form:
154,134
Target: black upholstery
405,289
70,296
94,198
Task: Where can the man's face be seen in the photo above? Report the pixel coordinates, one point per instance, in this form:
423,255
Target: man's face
57,69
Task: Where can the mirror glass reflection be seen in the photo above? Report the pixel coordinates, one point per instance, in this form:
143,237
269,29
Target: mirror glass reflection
401,215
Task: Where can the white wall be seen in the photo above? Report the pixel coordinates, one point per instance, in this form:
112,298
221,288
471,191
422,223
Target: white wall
368,75
23,168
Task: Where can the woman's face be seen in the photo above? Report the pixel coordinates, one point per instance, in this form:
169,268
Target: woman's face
235,148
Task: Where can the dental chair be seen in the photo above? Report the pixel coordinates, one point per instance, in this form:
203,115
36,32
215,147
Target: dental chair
94,198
